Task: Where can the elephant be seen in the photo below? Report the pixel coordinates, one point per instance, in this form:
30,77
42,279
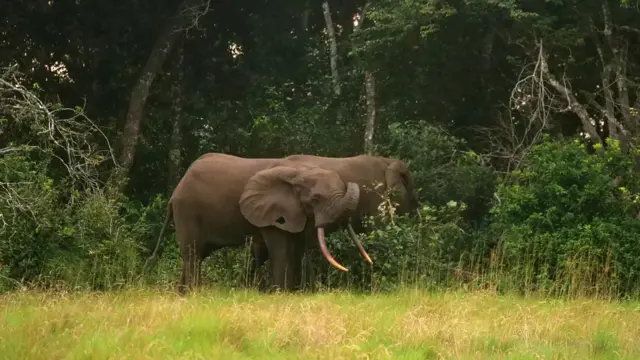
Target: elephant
222,199
364,170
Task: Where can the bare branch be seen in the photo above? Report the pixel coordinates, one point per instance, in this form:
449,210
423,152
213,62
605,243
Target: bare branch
64,134
193,12
573,103
514,134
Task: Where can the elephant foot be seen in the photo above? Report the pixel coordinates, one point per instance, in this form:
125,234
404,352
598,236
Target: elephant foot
282,289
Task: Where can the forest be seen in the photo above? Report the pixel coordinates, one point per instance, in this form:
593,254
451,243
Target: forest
519,120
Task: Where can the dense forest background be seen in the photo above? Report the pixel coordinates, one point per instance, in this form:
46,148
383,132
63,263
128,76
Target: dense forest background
519,119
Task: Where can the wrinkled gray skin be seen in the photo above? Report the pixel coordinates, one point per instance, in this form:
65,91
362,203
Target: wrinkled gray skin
222,199
365,171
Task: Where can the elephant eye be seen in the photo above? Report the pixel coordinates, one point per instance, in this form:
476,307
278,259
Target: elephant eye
280,220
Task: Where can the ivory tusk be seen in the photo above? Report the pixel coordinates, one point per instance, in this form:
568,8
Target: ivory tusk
355,238
325,251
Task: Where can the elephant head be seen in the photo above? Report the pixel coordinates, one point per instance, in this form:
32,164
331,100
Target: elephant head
399,179
285,196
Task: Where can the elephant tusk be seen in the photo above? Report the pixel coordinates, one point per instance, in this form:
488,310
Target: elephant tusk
325,251
354,236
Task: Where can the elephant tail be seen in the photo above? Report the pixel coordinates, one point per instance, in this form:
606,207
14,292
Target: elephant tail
157,252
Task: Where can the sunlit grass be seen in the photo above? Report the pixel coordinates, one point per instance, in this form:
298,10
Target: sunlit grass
247,325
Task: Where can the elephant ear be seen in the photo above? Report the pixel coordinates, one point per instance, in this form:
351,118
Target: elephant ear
269,199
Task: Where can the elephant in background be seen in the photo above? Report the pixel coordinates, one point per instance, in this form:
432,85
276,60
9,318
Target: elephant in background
222,199
366,171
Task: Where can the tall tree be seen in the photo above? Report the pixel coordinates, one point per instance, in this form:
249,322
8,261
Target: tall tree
188,11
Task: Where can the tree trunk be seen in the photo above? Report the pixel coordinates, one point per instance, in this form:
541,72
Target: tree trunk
333,46
175,153
370,91
304,20
369,82
161,49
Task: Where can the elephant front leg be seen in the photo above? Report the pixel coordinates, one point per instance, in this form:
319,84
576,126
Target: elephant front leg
285,254
309,275
259,255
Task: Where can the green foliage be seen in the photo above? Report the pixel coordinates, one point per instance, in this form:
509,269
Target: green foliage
559,224
443,169
92,242
28,210
566,222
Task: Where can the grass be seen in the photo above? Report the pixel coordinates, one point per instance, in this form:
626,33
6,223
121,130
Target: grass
216,324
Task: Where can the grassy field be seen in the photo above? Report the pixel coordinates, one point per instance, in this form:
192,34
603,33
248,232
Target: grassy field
247,325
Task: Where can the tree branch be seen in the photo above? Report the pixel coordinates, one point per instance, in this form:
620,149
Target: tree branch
573,103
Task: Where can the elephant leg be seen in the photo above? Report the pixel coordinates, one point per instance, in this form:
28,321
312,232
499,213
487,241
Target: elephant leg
286,258
193,253
191,264
309,279
297,260
259,255
309,275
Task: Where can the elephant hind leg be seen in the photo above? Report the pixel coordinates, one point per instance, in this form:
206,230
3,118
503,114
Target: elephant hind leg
192,249
191,264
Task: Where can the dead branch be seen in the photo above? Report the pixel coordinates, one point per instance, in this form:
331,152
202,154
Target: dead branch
60,133
573,103
193,13
512,137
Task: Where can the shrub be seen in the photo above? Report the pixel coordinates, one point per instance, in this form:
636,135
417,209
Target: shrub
443,169
566,222
60,223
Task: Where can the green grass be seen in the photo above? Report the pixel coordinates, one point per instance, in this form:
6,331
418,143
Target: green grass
216,324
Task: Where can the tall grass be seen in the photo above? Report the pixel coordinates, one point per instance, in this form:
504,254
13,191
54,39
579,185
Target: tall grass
404,324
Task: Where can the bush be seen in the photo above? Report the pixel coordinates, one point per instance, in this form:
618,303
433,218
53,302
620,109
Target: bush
443,169
92,242
60,222
566,222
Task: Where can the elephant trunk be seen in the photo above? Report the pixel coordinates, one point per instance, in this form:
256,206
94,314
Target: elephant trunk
326,253
350,201
347,204
351,197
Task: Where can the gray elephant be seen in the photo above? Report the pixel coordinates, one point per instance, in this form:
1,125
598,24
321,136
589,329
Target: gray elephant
366,171
222,199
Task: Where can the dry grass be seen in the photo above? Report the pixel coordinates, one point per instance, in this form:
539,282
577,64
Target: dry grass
246,325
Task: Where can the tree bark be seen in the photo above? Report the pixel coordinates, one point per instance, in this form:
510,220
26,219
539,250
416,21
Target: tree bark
175,145
161,49
333,46
370,91
304,19
371,112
